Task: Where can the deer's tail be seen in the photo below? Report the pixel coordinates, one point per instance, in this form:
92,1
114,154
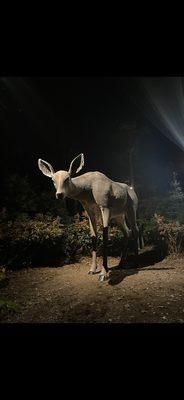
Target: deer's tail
134,200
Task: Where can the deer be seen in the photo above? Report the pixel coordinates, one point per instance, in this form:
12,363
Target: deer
100,197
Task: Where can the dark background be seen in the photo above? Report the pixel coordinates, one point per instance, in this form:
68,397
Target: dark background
57,118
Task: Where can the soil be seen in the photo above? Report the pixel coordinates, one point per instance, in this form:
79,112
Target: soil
151,292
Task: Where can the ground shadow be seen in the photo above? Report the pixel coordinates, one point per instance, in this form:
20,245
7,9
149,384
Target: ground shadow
133,266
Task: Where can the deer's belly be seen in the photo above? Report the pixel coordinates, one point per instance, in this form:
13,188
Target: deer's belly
117,211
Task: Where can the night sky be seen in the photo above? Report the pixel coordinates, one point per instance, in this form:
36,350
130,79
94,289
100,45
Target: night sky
57,118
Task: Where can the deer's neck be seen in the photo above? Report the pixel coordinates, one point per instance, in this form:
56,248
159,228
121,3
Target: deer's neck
74,189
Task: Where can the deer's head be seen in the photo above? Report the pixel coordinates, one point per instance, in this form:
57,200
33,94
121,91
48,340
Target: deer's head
62,179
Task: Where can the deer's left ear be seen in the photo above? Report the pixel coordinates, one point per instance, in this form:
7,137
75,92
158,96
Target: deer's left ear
76,164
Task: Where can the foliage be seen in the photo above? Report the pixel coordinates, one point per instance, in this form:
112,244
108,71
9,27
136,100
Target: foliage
176,193
176,200
76,240
167,207
39,229
43,239
149,230
20,197
8,306
171,235
24,241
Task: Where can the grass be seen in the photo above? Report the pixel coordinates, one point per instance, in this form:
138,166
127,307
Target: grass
6,305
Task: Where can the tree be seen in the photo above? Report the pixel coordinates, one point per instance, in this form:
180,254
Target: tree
176,190
132,136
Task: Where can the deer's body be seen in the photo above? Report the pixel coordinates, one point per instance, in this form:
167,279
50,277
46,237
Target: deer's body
95,190
100,196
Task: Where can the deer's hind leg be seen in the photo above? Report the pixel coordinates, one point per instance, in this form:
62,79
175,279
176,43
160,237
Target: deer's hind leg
105,219
131,215
121,222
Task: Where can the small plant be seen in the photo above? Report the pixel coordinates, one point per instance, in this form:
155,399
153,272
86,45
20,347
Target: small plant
8,306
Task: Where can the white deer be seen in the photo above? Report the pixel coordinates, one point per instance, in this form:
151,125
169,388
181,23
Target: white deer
98,195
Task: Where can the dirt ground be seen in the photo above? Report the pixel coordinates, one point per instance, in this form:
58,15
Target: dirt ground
151,292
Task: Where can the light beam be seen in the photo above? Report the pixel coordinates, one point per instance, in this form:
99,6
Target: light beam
166,106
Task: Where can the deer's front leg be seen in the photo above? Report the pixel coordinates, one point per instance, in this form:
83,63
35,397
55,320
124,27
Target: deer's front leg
94,257
105,218
93,231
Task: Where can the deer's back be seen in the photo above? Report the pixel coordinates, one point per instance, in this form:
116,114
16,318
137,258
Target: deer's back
98,188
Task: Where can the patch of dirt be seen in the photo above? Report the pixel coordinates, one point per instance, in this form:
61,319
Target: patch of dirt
153,291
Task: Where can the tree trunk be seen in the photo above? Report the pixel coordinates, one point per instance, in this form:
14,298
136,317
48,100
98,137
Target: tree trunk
131,166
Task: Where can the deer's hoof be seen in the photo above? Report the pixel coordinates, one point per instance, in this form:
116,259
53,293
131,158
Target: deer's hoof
102,278
91,273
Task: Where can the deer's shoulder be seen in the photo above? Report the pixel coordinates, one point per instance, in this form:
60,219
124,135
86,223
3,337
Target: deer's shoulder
92,177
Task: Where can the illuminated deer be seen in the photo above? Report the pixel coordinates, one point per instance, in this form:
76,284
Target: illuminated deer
98,195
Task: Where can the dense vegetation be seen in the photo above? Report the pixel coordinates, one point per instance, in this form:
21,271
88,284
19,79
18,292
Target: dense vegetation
35,229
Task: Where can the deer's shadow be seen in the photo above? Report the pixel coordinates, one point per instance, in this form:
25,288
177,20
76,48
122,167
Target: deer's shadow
133,266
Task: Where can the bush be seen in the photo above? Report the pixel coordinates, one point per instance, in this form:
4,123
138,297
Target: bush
76,240
25,241
42,239
149,230
171,235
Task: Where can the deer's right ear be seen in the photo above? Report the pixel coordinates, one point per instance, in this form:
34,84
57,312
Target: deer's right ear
46,168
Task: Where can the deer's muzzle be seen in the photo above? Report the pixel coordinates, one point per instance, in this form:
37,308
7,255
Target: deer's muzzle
59,196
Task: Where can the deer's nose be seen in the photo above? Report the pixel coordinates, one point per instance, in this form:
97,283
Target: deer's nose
59,196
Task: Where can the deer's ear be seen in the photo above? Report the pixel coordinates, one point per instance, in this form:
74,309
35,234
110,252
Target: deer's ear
76,164
46,168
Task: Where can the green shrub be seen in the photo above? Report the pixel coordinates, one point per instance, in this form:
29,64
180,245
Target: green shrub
170,234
